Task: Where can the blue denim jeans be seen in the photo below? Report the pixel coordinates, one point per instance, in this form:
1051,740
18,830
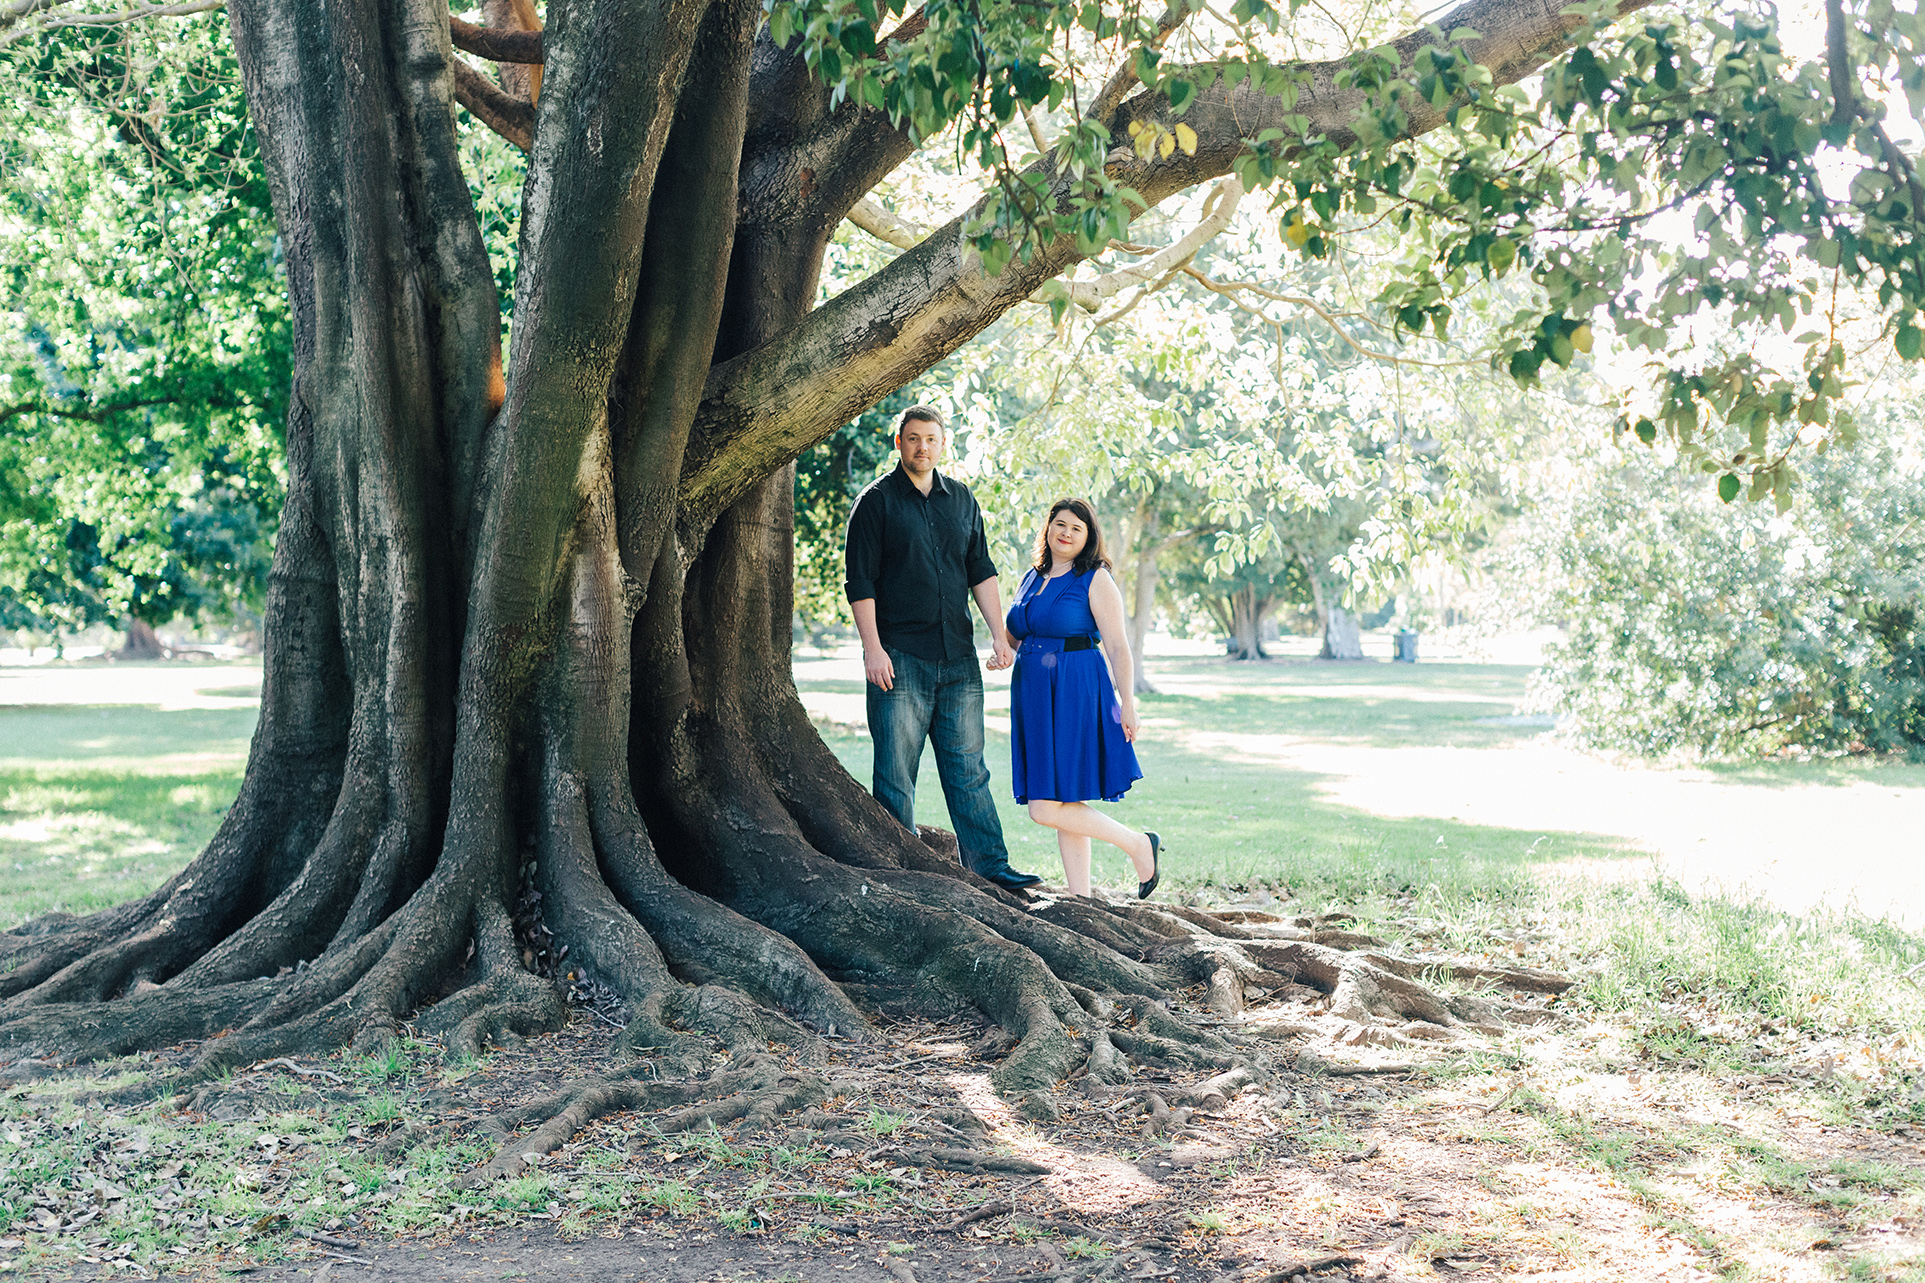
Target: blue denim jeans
941,701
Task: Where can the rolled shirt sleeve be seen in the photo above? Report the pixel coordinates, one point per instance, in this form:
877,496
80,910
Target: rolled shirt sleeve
862,547
977,565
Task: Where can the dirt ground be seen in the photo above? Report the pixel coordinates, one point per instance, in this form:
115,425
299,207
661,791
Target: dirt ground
1556,1154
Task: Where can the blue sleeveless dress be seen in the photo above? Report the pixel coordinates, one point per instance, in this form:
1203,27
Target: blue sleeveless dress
1066,737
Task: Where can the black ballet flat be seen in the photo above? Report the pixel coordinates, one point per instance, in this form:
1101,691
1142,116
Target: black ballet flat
1143,889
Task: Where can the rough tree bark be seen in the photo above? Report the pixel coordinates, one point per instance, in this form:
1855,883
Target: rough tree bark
531,626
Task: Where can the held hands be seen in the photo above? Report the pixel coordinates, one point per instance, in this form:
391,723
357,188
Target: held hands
877,667
1002,655
1130,722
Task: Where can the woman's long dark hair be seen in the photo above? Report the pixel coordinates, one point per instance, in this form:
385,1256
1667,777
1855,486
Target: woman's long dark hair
1092,555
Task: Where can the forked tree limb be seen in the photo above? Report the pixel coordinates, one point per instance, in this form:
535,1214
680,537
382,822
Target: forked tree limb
511,117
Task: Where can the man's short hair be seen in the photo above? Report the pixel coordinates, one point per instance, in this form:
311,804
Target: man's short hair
920,414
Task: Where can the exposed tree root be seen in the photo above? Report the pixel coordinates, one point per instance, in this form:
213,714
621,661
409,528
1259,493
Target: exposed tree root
758,1089
950,1159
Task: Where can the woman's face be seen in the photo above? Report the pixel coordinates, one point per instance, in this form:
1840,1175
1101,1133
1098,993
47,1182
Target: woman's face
1067,535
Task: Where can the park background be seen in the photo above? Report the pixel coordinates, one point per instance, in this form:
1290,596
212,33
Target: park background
1661,734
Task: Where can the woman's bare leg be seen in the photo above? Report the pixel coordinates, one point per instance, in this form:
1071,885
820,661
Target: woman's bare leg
1085,821
1074,848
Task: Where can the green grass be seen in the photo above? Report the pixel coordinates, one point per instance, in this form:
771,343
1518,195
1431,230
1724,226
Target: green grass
1234,822
100,804
1699,978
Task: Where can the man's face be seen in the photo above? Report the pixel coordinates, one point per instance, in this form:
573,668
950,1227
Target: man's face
921,444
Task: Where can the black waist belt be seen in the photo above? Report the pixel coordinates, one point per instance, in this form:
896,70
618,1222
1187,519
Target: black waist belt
1058,643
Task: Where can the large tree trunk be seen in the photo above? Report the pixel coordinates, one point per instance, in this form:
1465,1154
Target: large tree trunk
534,627
1342,638
142,642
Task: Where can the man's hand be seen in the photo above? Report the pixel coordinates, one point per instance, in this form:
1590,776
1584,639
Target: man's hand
877,667
1001,655
876,664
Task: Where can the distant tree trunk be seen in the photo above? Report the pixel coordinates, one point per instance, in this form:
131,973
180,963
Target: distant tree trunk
1143,591
142,642
1342,638
1246,623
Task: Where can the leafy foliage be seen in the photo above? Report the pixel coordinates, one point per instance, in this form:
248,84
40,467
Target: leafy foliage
144,345
1687,165
1694,626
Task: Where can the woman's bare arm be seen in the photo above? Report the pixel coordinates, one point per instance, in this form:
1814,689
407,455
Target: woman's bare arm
1106,603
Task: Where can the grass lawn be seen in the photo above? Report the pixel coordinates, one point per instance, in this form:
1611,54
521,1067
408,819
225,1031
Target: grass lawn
99,804
1233,820
1734,1089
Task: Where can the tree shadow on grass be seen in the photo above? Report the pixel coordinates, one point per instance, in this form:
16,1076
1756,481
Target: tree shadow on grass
1237,823
99,804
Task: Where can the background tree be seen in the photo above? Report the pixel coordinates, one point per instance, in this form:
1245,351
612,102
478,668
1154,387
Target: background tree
144,337
1695,628
531,620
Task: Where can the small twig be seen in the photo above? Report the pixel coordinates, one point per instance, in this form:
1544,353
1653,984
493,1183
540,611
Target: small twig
1303,1269
988,1211
289,1065
325,1240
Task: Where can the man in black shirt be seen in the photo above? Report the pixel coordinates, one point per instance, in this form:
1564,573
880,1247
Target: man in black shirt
916,553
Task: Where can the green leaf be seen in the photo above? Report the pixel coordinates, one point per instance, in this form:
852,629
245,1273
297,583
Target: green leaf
1909,341
1728,487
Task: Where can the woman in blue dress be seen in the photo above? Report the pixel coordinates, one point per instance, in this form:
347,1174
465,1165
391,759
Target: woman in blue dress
1070,726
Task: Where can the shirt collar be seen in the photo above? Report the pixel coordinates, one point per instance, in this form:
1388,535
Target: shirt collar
936,483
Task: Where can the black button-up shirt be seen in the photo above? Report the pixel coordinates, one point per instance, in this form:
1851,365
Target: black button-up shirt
918,555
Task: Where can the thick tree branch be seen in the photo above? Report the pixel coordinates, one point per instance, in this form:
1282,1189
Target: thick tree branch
96,414
495,44
513,118
869,215
22,9
1111,96
803,165
764,407
803,162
